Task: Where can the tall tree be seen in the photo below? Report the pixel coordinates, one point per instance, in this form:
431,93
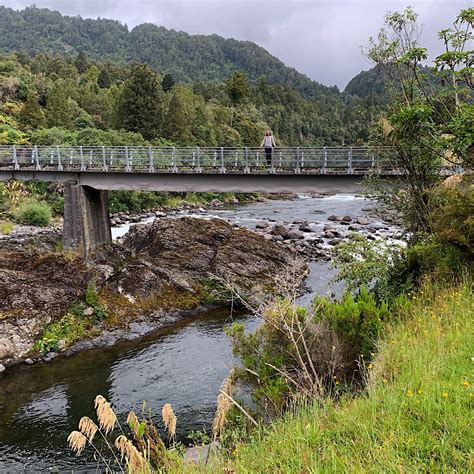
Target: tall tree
31,114
140,107
179,116
81,62
58,112
168,82
103,80
238,88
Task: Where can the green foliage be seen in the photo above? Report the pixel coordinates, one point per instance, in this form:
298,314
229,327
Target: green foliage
237,88
185,57
135,201
33,212
6,227
168,82
378,265
415,415
262,353
81,62
31,114
91,298
70,328
358,321
430,112
440,259
141,104
452,214
58,109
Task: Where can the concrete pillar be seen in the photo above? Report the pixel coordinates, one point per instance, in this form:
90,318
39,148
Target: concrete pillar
86,218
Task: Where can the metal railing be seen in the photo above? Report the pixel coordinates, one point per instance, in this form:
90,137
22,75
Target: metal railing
243,160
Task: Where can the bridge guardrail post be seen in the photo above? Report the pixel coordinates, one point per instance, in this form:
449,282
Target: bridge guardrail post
15,159
104,160
174,167
349,161
247,168
38,165
151,167
83,166
127,161
60,165
297,169
222,168
198,160
325,160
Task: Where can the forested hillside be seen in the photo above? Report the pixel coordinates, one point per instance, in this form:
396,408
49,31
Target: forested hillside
188,58
74,99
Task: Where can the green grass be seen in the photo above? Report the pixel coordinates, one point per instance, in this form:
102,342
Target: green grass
416,414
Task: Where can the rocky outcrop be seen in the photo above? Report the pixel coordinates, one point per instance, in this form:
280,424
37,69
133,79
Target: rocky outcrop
160,268
35,289
180,252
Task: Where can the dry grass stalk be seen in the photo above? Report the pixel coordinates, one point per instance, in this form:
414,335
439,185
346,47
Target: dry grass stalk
88,428
106,416
223,406
169,419
135,460
77,441
133,422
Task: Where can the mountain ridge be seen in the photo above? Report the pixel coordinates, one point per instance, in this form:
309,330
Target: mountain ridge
189,58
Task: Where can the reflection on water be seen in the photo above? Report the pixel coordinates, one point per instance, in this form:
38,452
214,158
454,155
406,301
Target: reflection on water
184,364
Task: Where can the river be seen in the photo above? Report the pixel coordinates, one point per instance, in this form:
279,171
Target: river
183,364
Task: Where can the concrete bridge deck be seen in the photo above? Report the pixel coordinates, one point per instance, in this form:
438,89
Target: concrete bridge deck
195,169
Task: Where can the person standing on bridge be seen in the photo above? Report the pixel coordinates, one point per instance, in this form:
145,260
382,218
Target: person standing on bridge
268,143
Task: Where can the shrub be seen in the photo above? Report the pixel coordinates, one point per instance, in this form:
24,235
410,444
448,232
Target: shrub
33,212
357,321
377,265
6,227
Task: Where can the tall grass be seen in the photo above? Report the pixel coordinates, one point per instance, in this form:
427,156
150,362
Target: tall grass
415,417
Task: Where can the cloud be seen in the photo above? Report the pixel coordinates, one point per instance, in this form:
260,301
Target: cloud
320,38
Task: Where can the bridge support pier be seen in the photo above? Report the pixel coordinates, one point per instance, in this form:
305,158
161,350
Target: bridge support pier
86,218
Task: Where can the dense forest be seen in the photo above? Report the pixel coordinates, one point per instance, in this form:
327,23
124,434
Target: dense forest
188,58
67,80
73,99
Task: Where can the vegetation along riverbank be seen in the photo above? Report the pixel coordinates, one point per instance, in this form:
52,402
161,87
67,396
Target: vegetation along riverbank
381,379
377,380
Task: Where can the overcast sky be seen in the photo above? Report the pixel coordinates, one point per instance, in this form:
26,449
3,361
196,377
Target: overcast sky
321,38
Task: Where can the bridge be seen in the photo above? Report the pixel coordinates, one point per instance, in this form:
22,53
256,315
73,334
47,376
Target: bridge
89,172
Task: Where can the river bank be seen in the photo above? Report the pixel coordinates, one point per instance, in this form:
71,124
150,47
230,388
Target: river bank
311,237
192,353
160,272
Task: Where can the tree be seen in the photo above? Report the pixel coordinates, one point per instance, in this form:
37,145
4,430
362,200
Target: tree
237,88
168,82
81,62
103,80
140,107
427,118
31,114
58,111
179,118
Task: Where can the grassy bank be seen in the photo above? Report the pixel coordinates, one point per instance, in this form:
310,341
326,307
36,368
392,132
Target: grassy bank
415,416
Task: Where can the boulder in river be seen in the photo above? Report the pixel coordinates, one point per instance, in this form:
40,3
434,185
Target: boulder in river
280,229
305,227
